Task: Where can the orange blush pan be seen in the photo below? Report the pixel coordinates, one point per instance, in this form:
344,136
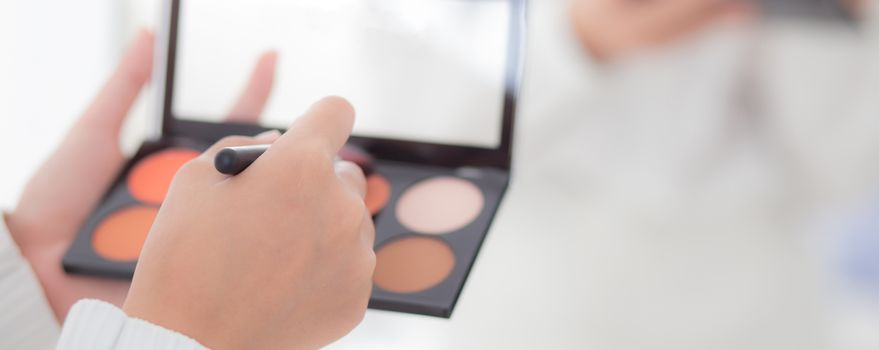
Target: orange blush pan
121,235
151,177
378,192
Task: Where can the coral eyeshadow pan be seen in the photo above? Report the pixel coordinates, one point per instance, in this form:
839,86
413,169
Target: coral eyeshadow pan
378,192
150,178
121,235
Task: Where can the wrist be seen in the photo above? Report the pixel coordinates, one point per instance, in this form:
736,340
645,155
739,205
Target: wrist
23,234
25,246
14,231
167,316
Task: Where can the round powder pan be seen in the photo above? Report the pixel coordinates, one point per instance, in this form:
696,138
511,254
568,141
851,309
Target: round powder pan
121,234
412,264
439,205
149,179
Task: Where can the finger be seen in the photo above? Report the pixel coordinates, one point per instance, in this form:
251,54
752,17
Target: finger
357,156
73,179
252,100
111,105
352,177
320,132
367,233
267,136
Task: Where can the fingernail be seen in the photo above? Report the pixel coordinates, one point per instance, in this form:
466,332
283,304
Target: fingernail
272,54
268,136
144,33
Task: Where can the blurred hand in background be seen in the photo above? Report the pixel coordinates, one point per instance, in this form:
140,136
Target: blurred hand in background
611,29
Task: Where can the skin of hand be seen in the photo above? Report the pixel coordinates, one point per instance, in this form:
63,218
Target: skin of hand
61,194
279,256
611,29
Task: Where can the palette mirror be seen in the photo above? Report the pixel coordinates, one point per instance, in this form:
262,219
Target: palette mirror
423,70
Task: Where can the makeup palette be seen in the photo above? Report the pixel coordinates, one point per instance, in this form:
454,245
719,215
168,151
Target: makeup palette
434,83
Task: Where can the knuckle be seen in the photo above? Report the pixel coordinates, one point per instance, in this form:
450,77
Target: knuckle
369,263
349,220
338,105
344,166
357,207
228,141
353,210
235,140
311,154
369,232
193,166
348,216
351,171
313,147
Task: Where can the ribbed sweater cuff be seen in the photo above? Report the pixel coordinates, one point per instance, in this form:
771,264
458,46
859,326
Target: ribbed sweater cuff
94,324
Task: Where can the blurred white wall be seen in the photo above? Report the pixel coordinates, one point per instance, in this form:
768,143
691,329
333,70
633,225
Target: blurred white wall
54,56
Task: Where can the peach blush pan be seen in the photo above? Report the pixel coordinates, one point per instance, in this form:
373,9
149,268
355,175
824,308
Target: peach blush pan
378,192
120,236
151,177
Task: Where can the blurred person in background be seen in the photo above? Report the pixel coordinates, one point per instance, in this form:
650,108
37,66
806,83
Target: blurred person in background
696,166
613,29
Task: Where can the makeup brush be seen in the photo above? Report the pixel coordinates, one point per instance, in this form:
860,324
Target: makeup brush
234,160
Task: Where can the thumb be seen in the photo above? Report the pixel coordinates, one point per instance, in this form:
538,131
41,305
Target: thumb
111,105
74,177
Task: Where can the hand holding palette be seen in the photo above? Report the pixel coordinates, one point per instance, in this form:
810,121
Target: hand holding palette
434,83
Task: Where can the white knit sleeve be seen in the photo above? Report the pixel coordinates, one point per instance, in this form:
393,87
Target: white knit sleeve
97,325
26,320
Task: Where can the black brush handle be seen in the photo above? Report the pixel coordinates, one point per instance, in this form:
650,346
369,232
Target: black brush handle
233,160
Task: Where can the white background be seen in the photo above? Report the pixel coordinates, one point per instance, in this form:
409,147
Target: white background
54,56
